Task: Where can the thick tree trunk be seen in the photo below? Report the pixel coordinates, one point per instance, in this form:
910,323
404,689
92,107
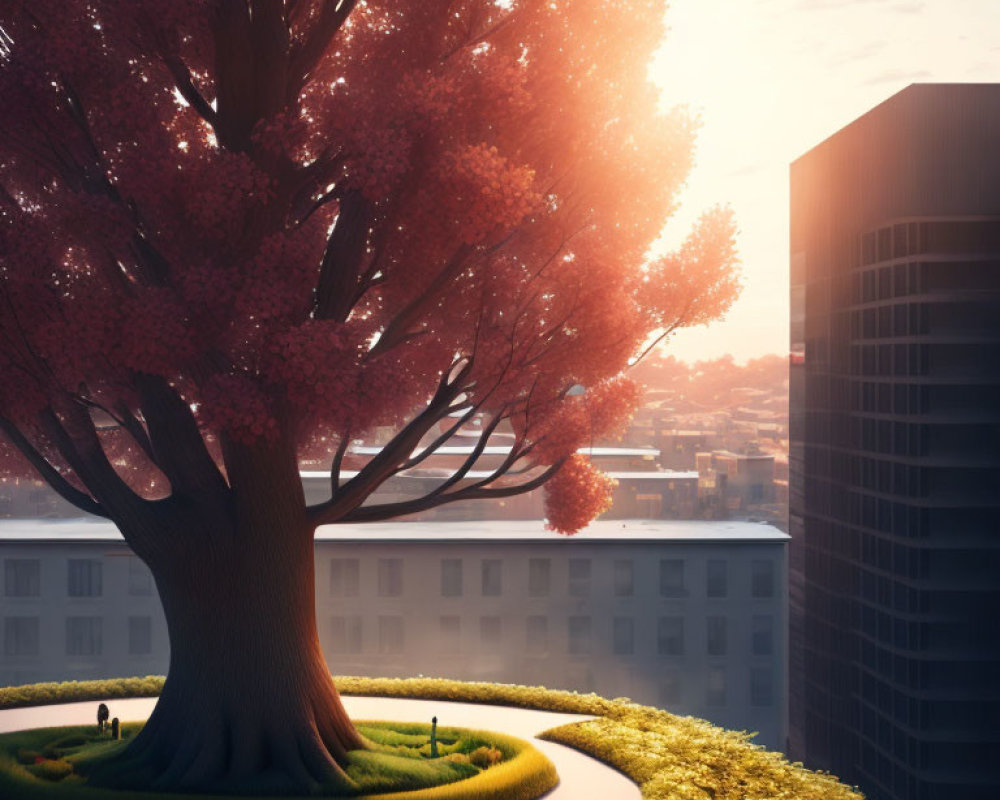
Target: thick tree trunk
248,705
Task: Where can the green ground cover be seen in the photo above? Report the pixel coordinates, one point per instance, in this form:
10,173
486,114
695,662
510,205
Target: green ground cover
670,757
53,763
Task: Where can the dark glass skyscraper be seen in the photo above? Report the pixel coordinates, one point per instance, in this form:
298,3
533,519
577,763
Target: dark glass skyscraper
895,448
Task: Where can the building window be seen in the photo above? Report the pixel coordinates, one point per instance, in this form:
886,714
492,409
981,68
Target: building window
83,636
451,577
579,577
672,577
490,633
390,635
579,636
140,579
84,577
22,577
451,634
539,577
492,568
345,577
390,577
345,634
762,635
717,578
717,635
715,687
761,687
670,636
624,636
537,641
624,579
762,578
670,690
140,636
20,636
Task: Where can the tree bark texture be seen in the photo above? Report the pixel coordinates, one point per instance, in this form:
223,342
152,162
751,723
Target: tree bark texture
248,706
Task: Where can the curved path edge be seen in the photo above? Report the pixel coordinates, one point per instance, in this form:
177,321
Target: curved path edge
581,777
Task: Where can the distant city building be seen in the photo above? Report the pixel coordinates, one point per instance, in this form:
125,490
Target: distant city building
679,448
895,448
663,494
643,491
741,481
688,616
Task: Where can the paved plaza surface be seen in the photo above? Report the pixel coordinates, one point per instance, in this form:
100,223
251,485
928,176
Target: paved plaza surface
580,777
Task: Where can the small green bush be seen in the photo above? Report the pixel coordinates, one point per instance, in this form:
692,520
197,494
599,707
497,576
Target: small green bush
457,758
52,769
27,756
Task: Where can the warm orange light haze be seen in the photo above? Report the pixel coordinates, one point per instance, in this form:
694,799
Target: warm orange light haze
773,78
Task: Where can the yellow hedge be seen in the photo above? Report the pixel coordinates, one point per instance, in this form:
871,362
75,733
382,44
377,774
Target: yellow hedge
527,775
670,757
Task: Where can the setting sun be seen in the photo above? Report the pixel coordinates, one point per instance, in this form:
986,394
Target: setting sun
771,79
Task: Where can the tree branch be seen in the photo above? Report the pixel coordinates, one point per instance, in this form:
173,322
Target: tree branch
440,440
125,419
314,43
396,329
50,474
338,460
667,331
389,458
175,66
340,270
153,267
375,513
85,455
177,444
185,85
471,459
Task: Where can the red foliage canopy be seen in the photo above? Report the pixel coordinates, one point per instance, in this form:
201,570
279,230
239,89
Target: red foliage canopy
252,221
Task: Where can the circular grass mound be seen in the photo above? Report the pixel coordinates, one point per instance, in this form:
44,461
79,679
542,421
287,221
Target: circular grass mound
52,764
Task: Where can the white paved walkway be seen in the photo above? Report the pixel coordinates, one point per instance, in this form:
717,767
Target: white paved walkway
580,777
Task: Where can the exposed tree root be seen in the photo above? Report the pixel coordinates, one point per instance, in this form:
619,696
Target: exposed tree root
241,757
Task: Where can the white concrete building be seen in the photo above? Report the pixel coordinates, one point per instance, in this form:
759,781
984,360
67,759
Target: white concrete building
688,616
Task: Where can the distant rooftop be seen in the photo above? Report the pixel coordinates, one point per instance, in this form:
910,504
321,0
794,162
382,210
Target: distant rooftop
927,98
665,475
480,474
643,530
731,454
500,450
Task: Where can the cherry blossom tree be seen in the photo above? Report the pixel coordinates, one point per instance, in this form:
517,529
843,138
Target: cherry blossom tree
234,233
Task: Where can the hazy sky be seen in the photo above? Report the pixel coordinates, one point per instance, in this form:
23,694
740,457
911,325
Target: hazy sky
772,79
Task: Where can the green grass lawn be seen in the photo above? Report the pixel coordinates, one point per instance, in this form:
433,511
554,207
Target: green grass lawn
670,757
52,764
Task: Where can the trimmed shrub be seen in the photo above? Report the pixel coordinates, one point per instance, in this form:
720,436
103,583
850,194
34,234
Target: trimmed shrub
52,769
44,694
457,758
70,741
485,757
26,756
